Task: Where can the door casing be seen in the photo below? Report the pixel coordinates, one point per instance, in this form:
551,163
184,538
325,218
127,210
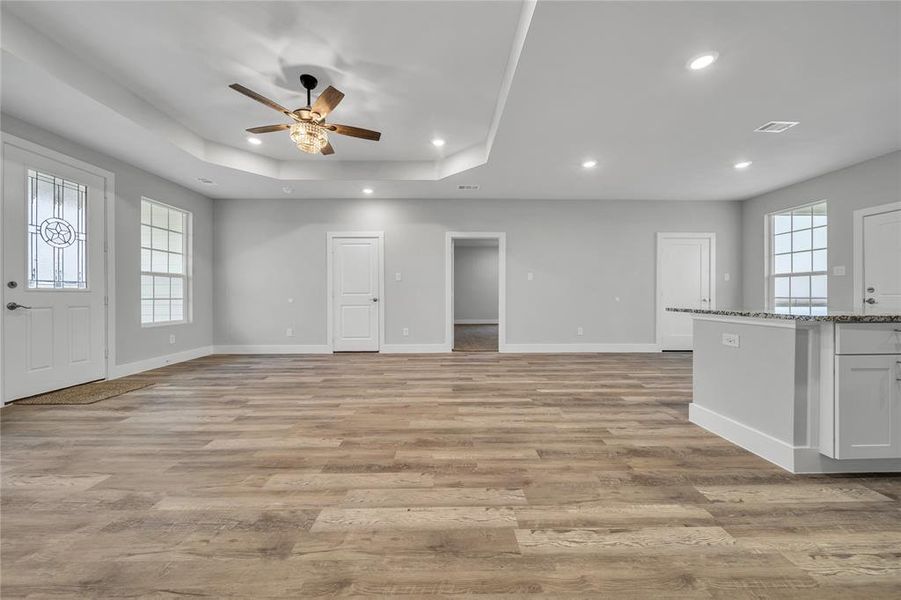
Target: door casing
330,297
109,238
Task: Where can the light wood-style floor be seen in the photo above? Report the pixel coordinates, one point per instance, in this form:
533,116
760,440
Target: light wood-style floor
429,476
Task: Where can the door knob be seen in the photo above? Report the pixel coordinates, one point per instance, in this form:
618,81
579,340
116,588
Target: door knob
375,299
870,300
14,306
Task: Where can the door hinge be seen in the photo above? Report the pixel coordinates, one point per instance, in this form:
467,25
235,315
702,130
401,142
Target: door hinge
106,301
106,353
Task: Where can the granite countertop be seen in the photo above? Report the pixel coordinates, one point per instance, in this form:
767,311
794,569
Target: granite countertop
831,315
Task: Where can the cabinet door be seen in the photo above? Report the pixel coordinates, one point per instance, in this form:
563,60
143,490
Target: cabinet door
868,397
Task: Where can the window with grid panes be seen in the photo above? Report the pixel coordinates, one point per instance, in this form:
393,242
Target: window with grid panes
165,281
797,260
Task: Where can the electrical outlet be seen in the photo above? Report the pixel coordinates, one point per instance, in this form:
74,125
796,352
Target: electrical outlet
530,276
290,300
289,332
838,271
172,338
731,339
580,331
726,276
397,276
406,331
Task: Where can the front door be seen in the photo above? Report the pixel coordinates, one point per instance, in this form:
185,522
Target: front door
54,274
356,304
684,282
882,262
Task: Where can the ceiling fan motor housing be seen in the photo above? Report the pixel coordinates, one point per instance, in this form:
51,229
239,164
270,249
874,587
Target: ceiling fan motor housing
308,81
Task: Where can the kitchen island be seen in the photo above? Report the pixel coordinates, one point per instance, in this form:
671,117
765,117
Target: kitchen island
812,394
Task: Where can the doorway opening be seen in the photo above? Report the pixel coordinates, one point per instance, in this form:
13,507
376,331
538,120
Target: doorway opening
57,326
476,285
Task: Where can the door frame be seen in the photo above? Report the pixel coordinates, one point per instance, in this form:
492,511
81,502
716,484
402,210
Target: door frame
658,288
109,245
329,291
501,238
857,248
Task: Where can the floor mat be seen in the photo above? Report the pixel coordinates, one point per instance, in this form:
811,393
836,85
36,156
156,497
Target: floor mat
88,393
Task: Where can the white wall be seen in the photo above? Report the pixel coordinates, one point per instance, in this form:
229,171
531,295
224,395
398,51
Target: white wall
584,254
133,342
475,284
870,183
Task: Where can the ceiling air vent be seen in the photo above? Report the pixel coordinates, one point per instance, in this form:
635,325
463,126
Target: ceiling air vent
468,188
206,181
776,126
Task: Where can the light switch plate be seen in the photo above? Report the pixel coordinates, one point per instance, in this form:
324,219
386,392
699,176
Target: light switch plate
406,331
397,276
731,339
580,331
289,332
726,276
838,271
172,338
530,276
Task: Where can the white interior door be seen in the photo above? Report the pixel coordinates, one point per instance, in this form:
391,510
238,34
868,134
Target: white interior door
684,280
54,274
356,304
882,262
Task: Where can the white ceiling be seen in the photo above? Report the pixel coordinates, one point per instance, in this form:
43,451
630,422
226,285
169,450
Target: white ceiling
522,98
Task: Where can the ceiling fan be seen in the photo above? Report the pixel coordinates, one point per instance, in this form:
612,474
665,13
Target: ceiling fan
309,131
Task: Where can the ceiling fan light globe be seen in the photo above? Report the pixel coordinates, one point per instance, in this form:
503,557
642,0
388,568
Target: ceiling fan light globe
309,137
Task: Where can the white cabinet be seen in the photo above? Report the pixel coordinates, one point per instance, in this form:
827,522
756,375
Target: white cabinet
868,406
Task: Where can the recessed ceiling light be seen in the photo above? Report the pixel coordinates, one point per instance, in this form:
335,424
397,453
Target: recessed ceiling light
702,61
589,164
743,164
367,190
254,140
437,142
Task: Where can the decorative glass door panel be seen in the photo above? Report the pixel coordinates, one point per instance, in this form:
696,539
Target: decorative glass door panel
57,232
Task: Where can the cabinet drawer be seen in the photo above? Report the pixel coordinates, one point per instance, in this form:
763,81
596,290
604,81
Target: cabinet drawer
868,338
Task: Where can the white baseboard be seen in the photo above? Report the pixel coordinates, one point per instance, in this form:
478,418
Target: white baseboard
273,349
763,445
475,321
795,459
556,348
156,362
413,348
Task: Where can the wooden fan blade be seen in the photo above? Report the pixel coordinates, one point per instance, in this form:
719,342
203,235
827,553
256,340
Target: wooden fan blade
261,99
268,128
357,132
327,101
328,150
